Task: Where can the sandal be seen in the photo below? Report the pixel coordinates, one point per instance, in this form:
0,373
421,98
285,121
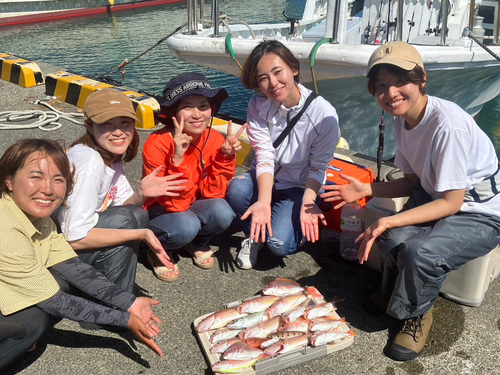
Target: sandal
198,260
160,270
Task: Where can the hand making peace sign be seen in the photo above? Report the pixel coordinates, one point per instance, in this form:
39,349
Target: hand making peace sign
181,141
232,145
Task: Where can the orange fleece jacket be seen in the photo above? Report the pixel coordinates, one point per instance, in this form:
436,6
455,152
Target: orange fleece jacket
159,150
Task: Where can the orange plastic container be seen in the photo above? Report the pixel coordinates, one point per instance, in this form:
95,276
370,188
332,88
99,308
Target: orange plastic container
335,167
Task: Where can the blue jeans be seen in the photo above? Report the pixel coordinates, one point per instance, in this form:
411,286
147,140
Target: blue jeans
285,214
203,220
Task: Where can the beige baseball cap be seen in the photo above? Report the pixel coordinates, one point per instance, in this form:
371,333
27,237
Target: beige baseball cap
396,53
105,104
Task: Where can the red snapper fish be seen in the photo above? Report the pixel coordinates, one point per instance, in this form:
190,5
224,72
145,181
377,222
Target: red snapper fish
325,323
257,304
261,330
285,304
223,334
222,346
287,345
321,338
282,287
321,310
219,319
232,366
301,325
242,351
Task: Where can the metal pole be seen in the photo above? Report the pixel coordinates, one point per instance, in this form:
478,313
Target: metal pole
496,31
191,6
202,9
471,14
444,26
399,25
215,16
330,18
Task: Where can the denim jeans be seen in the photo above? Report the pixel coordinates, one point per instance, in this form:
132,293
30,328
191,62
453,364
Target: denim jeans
203,220
285,214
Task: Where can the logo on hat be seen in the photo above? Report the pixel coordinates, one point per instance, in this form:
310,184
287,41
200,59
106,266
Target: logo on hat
387,51
114,102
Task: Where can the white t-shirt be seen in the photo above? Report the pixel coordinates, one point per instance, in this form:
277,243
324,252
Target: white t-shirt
97,187
308,148
448,151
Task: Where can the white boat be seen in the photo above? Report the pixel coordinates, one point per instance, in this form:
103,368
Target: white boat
337,37
27,11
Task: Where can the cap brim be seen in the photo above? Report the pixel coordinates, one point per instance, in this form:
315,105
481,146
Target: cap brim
406,65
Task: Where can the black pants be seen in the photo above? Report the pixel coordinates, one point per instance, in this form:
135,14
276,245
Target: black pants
21,330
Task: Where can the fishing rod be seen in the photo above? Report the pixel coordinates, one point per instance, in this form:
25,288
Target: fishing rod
380,148
411,23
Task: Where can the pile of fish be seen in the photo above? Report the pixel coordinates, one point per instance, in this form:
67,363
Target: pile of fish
286,317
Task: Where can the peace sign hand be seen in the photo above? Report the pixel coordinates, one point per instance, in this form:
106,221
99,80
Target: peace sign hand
181,141
232,145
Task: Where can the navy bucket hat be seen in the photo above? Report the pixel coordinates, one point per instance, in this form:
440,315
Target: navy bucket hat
190,84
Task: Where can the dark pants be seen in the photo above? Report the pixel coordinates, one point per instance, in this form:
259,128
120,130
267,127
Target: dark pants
416,259
21,330
118,263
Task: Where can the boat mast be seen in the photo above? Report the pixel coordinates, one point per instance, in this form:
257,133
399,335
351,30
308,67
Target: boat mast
336,21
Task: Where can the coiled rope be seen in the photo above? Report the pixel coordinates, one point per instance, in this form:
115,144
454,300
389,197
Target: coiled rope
44,120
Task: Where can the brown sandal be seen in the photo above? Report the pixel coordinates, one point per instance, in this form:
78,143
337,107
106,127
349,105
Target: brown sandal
160,270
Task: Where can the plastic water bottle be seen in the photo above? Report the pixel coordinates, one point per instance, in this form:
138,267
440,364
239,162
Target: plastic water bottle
351,223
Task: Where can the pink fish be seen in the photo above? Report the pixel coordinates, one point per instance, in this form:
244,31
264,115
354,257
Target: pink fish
219,319
223,334
231,366
298,311
261,330
301,324
255,341
314,293
282,287
322,338
320,310
285,304
222,346
287,345
256,304
325,323
242,351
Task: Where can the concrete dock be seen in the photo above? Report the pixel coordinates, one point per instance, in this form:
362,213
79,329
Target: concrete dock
463,340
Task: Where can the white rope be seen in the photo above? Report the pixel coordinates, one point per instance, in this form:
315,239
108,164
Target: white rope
44,120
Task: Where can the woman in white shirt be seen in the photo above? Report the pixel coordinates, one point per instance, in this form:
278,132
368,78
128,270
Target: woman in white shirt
104,221
276,199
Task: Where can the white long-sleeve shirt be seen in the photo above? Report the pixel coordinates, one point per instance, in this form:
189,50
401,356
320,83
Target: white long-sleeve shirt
305,152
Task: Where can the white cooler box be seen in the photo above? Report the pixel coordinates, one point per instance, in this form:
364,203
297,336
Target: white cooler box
466,285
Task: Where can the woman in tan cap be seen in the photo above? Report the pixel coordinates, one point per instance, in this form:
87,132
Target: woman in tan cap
451,175
104,221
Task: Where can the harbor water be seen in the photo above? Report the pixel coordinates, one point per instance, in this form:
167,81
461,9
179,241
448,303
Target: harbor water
93,45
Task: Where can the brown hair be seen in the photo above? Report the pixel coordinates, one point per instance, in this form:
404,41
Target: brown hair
88,140
16,155
415,76
249,72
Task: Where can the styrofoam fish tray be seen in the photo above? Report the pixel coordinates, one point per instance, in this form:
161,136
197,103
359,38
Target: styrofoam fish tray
272,364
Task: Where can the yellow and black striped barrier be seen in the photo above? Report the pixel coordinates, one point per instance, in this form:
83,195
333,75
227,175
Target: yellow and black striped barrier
75,89
19,71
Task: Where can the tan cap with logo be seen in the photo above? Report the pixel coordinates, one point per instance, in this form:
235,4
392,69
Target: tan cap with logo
400,54
105,104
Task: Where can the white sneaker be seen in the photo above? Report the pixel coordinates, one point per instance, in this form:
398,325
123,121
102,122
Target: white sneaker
247,257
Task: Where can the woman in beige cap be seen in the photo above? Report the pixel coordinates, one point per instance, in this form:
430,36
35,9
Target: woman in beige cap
451,175
104,221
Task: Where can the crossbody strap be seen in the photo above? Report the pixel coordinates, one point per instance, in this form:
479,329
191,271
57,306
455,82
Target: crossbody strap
293,121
